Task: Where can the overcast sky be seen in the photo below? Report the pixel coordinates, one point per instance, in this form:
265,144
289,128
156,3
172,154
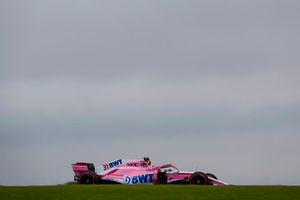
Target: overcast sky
208,85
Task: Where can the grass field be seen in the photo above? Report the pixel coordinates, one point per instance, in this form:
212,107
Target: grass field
144,192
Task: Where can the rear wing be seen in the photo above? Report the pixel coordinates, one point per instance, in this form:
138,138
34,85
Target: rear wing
80,167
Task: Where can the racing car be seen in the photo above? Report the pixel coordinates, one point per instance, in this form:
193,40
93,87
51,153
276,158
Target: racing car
122,171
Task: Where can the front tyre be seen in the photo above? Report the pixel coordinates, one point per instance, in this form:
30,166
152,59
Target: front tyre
199,178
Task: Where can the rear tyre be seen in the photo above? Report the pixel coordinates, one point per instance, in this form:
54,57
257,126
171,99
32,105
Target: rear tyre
86,178
199,178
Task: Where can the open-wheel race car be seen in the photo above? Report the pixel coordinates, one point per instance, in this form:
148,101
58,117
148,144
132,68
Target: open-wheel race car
139,172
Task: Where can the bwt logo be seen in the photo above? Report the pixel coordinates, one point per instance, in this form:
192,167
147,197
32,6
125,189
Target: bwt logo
143,178
112,164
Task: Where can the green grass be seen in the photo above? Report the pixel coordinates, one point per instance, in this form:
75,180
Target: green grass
144,192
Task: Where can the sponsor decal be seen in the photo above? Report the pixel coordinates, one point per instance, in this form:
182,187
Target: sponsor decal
132,164
142,178
112,164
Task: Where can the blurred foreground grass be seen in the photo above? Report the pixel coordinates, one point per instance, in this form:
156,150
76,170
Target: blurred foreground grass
144,192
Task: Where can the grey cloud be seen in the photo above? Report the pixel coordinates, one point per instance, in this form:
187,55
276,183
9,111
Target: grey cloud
175,80
180,40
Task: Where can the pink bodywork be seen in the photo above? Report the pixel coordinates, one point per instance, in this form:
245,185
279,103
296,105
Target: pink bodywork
135,172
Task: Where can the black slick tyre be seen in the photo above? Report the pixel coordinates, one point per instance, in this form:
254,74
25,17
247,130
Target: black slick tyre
199,178
87,178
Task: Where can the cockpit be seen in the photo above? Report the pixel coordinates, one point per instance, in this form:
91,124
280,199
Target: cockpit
170,169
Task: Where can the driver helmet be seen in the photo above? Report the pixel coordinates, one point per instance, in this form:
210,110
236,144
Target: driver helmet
146,158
